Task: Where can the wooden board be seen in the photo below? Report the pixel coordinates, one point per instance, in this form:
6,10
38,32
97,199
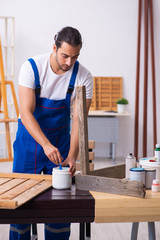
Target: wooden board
106,91
110,208
17,188
110,185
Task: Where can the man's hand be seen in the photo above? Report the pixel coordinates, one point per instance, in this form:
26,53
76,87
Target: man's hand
53,154
72,164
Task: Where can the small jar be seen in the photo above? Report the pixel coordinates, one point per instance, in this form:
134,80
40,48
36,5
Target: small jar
137,174
157,152
155,185
61,178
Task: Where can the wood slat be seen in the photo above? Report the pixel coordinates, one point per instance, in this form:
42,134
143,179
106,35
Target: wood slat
32,192
4,180
9,185
18,188
21,188
26,175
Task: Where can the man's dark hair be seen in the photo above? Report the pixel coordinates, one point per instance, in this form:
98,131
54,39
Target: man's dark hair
69,35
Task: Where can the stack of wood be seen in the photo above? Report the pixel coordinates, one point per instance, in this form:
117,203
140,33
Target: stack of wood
91,147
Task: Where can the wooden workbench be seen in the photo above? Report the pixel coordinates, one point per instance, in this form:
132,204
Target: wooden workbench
111,208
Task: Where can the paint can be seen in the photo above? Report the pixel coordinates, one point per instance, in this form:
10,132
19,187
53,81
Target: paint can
130,163
61,178
137,174
150,175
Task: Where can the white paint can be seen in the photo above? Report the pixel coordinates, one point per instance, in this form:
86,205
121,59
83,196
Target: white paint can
61,178
137,174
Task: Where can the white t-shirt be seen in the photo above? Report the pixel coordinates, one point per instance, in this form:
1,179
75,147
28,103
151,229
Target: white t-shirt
54,86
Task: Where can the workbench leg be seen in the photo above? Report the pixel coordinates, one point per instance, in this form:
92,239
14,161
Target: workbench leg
151,231
82,231
110,150
88,230
113,151
134,232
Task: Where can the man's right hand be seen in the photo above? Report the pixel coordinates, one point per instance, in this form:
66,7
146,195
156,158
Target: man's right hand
53,154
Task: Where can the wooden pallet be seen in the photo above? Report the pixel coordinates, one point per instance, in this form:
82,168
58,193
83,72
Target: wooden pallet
106,91
17,188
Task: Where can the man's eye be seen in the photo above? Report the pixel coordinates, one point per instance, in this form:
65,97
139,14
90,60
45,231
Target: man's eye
65,56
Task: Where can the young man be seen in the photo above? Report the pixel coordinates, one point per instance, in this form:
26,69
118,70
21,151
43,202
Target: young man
47,91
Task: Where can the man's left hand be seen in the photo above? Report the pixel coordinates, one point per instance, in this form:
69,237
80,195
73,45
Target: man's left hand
72,165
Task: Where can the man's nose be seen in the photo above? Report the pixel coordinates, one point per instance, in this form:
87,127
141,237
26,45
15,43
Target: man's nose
69,61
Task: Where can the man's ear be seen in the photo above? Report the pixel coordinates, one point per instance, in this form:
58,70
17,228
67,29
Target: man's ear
54,48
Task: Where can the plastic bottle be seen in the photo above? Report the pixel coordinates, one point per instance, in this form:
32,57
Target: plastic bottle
155,186
130,163
157,152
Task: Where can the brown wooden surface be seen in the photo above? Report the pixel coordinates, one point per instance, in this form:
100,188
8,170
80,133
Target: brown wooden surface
83,129
53,205
136,117
111,172
153,74
16,188
145,102
110,185
117,208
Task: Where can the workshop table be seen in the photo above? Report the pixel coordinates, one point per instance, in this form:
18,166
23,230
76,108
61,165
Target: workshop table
54,206
110,208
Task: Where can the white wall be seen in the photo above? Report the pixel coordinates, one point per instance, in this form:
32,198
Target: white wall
109,30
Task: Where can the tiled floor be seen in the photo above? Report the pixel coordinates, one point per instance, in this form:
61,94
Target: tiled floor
107,231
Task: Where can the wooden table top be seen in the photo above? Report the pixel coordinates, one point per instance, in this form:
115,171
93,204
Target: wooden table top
53,206
118,208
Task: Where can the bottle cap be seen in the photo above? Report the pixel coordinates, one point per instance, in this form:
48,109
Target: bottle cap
157,145
155,181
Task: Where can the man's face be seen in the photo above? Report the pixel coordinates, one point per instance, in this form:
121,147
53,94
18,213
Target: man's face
66,55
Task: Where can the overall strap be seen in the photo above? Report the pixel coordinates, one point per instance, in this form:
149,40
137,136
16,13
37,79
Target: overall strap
73,79
36,76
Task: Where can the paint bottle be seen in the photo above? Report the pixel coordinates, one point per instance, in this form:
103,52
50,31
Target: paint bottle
130,163
155,186
157,152
137,174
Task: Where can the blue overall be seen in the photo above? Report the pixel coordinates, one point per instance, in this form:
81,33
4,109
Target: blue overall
53,117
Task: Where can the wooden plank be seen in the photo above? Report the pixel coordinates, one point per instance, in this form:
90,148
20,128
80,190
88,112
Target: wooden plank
91,156
32,192
111,172
117,208
83,129
26,175
91,144
8,204
78,167
110,185
21,188
4,180
9,185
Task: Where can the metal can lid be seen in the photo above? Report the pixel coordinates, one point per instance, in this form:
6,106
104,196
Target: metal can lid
150,169
137,169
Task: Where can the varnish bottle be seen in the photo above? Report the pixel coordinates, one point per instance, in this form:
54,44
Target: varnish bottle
130,163
157,152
